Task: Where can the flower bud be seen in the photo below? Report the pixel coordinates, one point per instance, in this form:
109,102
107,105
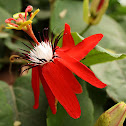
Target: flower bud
98,8
94,14
114,116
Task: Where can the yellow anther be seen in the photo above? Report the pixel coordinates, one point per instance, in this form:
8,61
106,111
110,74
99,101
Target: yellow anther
33,15
24,24
11,27
19,22
16,16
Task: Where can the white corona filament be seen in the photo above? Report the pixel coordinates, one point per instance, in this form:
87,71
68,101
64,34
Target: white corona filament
41,51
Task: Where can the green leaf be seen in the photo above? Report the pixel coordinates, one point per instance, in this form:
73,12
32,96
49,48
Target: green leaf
63,119
100,55
6,110
12,6
114,75
21,99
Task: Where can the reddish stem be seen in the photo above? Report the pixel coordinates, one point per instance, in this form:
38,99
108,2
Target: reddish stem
29,31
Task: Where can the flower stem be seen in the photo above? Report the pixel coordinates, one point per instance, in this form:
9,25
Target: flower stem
31,34
88,26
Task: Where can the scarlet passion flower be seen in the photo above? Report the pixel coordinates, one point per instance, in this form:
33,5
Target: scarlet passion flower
53,66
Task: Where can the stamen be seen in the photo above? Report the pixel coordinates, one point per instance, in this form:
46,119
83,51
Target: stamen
27,46
55,56
57,39
8,21
42,60
26,55
45,35
24,50
52,37
29,41
25,24
21,16
28,9
11,27
28,68
40,37
16,16
33,15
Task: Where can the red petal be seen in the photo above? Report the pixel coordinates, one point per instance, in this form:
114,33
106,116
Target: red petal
61,89
83,48
48,92
69,77
79,69
68,41
35,86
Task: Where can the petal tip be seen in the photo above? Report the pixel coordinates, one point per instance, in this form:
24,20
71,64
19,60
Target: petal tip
54,112
67,27
77,115
100,35
36,106
103,85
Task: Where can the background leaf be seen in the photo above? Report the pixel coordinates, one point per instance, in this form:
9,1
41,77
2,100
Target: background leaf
12,6
19,105
74,16
114,36
113,74
4,15
6,110
25,101
98,97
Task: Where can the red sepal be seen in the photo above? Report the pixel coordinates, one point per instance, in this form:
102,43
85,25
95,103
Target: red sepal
83,48
50,97
61,89
35,86
68,41
79,69
69,77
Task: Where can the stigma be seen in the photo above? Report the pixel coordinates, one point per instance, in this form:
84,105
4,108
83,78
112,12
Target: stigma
41,53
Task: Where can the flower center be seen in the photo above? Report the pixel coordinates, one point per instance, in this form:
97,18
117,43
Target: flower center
42,53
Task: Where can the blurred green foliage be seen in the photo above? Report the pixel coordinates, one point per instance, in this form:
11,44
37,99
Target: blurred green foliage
16,100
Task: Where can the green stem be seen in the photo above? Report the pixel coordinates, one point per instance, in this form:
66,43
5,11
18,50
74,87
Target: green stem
88,26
